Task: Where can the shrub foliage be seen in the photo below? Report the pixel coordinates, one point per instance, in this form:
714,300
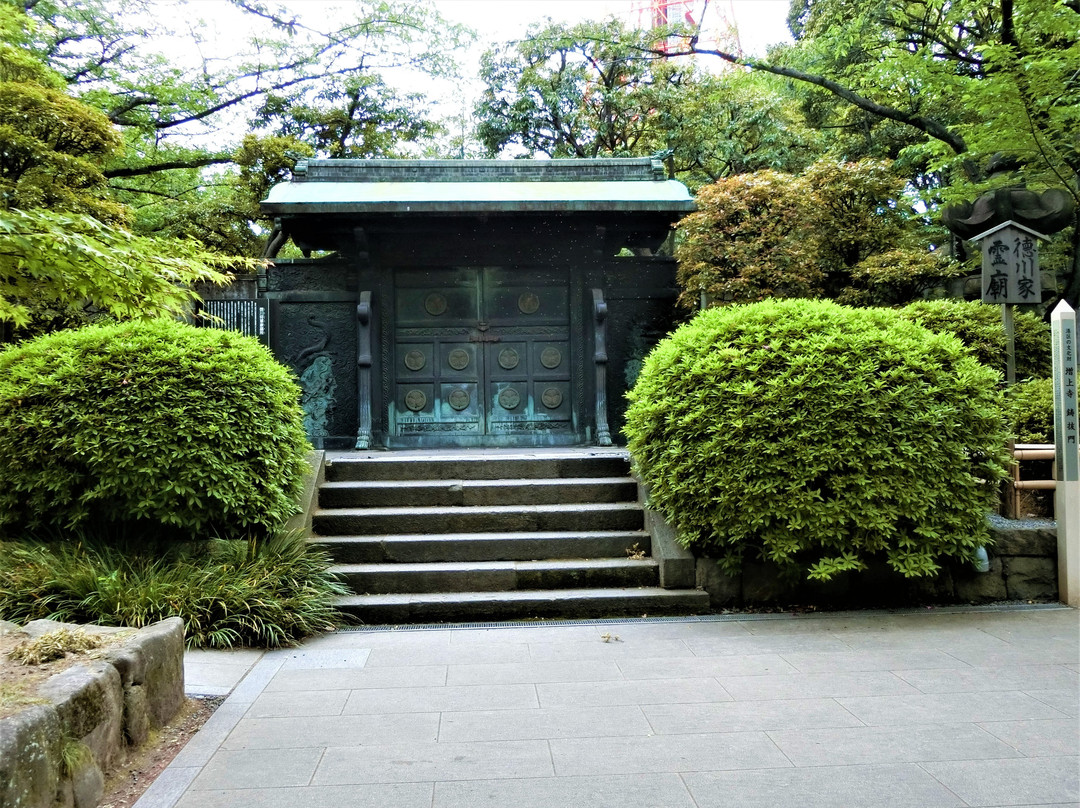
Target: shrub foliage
818,436
1029,406
262,593
156,425
980,328
838,231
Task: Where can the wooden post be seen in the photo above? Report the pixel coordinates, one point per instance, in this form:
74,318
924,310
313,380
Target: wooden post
1010,343
1066,438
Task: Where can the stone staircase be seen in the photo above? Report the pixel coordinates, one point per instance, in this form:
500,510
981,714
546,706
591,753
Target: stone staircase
486,536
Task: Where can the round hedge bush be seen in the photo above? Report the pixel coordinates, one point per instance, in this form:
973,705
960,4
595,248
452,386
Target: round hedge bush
818,436
980,328
176,431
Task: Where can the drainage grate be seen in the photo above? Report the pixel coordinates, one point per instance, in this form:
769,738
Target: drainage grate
729,617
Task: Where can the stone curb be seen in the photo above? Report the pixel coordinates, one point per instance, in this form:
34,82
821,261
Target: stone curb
89,713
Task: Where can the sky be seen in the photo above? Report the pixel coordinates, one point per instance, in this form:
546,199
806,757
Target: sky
759,23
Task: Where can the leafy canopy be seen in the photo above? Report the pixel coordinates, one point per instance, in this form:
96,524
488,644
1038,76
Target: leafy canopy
838,230
175,88
594,90
943,86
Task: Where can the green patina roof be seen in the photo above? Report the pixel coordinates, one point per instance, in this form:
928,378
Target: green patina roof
479,186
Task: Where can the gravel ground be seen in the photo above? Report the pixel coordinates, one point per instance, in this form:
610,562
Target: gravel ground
1014,524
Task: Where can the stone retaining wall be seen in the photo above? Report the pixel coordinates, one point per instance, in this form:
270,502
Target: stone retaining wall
98,707
1023,566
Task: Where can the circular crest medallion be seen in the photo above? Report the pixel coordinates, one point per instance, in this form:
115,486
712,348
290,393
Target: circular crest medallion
435,304
509,398
459,399
552,397
551,358
415,400
528,303
508,359
458,359
415,360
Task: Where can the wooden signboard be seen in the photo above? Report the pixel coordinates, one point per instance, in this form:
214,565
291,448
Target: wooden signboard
1010,264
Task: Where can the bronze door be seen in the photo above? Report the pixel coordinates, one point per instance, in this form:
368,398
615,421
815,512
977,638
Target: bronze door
482,357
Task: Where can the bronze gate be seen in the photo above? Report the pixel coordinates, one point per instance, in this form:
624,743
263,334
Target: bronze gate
482,356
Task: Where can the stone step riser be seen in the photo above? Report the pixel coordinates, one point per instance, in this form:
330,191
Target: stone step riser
428,549
478,469
445,608
359,522
465,493
503,579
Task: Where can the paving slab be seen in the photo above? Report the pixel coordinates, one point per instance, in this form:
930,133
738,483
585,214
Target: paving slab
358,679
332,730
1021,781
639,790
816,685
948,708
891,786
988,680
258,768
1047,738
652,691
397,795
743,716
441,699
533,672
523,725
420,762
919,708
851,746
667,753
702,667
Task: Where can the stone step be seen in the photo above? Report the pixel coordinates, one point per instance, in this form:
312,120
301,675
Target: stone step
380,493
498,576
478,518
479,467
495,546
522,604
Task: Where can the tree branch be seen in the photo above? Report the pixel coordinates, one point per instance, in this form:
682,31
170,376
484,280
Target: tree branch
928,126
153,168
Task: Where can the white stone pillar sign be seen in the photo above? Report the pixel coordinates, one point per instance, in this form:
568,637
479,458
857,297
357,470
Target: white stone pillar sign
1066,437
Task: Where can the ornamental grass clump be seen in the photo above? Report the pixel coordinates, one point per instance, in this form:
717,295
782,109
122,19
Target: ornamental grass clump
819,437
260,592
155,427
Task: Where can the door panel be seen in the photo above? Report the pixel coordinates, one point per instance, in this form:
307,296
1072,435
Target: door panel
482,356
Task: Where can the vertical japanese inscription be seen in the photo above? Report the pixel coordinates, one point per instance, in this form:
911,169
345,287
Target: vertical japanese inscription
1063,329
1010,266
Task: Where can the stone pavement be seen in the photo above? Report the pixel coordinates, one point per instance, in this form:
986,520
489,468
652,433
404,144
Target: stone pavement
943,707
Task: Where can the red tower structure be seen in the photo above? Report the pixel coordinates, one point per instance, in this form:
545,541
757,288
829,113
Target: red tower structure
717,19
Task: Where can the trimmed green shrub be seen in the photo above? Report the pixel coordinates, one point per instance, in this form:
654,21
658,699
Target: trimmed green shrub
262,593
1029,407
155,425
979,327
817,436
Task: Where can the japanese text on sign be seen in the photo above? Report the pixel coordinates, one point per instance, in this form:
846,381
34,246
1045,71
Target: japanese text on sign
1011,267
1066,434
